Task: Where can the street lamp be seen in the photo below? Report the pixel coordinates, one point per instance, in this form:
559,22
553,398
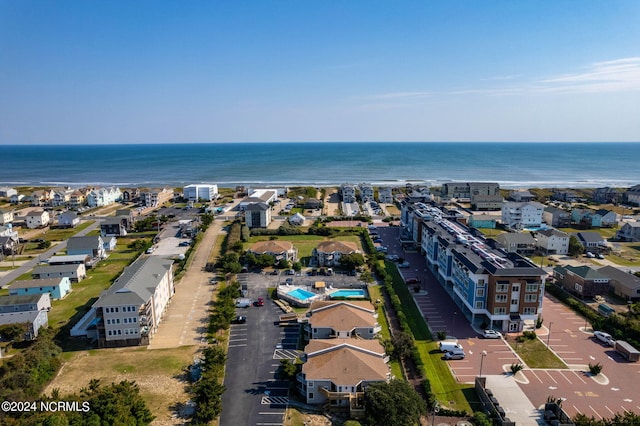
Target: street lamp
455,314
549,334
484,353
436,409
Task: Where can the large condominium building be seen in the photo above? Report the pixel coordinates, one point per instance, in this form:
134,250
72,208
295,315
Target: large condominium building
522,215
132,308
206,192
492,287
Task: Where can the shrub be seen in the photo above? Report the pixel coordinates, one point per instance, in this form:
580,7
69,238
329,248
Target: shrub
595,369
529,335
515,368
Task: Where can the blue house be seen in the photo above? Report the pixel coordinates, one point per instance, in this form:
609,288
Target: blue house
57,288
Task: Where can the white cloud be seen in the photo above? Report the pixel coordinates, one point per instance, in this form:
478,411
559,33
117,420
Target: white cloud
608,76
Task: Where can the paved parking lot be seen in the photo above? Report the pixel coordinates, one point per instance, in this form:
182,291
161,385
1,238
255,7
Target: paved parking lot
616,390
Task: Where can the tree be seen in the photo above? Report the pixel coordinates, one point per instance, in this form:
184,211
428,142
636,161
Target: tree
402,345
13,332
575,248
352,260
393,403
288,369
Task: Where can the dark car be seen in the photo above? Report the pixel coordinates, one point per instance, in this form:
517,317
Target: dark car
274,272
184,244
412,281
239,320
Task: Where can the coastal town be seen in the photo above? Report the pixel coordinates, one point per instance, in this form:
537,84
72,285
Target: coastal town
298,305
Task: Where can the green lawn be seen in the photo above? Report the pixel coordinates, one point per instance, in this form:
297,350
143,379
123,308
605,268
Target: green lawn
535,354
64,234
304,243
375,294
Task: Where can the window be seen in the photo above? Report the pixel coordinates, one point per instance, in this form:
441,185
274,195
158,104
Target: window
479,305
311,395
502,288
516,288
514,301
530,297
531,288
501,298
480,292
500,311
310,383
119,332
480,283
578,288
529,311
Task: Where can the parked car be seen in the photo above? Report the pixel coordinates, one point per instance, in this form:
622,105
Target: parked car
412,281
392,257
240,319
184,244
404,264
604,338
259,302
491,334
590,255
600,256
274,272
458,354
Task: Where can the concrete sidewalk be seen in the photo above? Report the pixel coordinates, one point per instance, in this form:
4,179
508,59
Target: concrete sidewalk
515,403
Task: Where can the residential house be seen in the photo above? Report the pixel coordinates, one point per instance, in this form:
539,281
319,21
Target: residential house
592,241
278,249
297,219
328,253
8,245
623,284
258,196
552,241
77,198
486,202
204,192
127,216
57,288
40,197
6,216
131,310
257,215
482,221
113,226
75,272
630,232
582,281
521,196
503,290
348,193
517,242
7,192
156,197
337,372
17,198
632,195
8,231
26,309
76,259
103,196
556,217
385,195
606,195
37,219
342,320
68,219
522,215
417,194
110,243
130,195
567,196
366,192
92,245
60,197
591,218
463,191
312,203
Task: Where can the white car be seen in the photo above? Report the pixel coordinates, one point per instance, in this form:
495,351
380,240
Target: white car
604,337
491,334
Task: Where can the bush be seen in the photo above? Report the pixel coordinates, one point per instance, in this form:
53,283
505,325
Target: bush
595,369
515,368
529,335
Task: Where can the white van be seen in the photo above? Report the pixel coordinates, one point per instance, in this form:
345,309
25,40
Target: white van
243,302
448,346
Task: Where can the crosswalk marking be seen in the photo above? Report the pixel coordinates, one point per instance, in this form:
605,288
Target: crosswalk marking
274,400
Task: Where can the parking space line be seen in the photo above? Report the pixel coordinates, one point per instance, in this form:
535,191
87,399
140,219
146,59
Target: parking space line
576,409
575,373
610,410
551,377
535,375
565,377
236,346
597,414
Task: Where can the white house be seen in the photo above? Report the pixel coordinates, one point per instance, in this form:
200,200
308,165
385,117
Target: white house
522,215
68,219
16,198
103,197
37,219
297,219
257,215
348,193
7,192
553,241
206,192
6,216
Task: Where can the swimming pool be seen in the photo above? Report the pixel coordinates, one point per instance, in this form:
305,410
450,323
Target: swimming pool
348,294
301,294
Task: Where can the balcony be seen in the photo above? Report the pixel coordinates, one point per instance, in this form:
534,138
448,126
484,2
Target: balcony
333,395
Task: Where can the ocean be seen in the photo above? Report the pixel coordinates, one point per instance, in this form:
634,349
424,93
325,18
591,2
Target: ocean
512,165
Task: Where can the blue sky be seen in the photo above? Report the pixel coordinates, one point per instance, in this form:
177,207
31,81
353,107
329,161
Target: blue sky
232,71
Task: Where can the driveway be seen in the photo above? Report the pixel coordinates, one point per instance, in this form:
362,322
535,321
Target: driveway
187,317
